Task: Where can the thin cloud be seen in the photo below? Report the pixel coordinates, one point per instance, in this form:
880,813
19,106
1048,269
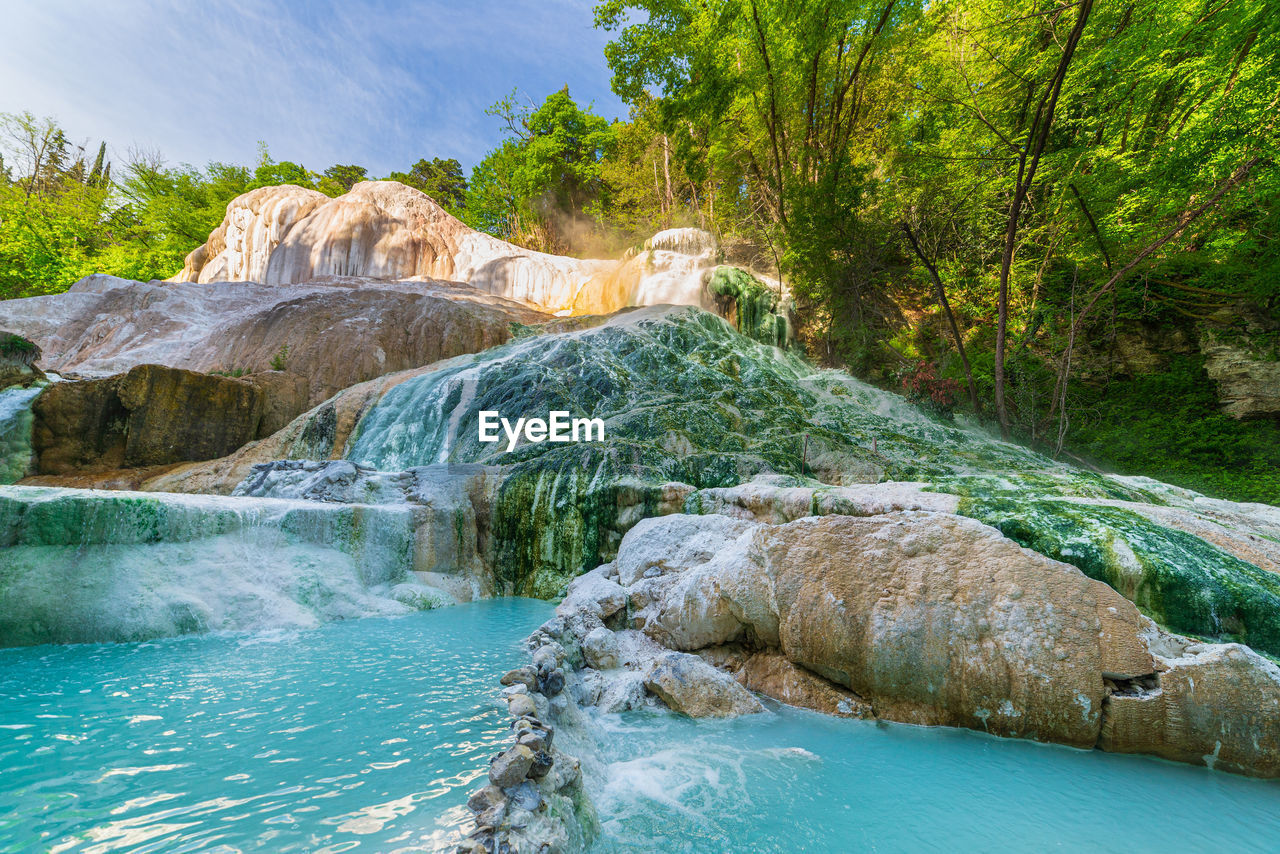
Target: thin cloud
375,83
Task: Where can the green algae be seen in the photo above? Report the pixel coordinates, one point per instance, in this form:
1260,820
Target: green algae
16,420
758,310
687,398
1179,580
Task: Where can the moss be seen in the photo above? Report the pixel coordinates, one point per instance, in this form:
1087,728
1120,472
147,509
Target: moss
755,305
1169,426
1180,581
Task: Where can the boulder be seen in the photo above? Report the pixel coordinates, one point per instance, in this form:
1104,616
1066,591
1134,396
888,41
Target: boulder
600,649
150,416
1210,704
940,620
689,685
511,767
771,674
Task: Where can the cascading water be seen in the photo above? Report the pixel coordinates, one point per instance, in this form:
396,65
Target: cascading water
15,432
80,566
689,404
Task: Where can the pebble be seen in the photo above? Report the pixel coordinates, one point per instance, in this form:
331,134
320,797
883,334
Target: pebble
511,768
521,704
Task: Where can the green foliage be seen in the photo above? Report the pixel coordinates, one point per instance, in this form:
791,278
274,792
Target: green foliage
542,186
281,359
338,179
13,346
442,180
1168,426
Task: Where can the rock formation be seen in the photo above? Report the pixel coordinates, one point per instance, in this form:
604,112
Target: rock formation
334,333
913,616
154,416
1248,383
385,230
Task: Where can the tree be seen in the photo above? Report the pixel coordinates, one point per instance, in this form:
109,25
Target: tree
442,180
338,179
543,185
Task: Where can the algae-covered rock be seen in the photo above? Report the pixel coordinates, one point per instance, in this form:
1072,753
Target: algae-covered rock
84,566
1182,581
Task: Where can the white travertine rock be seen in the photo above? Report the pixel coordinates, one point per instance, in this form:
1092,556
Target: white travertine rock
335,332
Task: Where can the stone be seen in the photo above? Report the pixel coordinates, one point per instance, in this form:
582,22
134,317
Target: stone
553,683
511,767
1248,384
534,740
547,658
689,685
594,593
929,616
677,542
150,416
623,692
386,230
600,649
526,797
542,764
1213,704
484,799
521,704
771,674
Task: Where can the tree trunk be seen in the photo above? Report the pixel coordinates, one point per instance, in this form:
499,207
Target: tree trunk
951,318
1027,165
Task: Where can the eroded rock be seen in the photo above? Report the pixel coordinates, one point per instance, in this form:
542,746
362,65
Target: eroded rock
689,685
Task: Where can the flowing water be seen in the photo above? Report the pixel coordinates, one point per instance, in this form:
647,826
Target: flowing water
15,431
367,735
799,781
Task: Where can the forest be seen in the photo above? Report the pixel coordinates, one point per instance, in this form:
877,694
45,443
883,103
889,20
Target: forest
1038,215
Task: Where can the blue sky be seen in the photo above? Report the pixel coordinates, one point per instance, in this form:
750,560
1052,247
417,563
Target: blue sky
378,83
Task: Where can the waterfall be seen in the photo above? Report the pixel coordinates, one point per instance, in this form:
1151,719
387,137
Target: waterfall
80,566
15,432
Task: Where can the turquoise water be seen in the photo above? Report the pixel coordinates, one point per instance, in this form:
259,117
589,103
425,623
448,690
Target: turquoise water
367,735
799,781
360,735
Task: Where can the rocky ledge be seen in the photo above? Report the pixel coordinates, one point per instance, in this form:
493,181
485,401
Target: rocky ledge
911,615
534,799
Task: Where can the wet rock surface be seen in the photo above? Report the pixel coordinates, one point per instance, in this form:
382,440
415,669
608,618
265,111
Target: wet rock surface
534,799
913,616
152,416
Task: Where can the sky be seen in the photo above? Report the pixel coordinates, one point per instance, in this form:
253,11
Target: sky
378,83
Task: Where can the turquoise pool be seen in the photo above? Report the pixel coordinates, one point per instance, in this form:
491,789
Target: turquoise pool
367,735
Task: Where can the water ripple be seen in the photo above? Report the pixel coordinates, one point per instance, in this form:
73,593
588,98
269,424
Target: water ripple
364,734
